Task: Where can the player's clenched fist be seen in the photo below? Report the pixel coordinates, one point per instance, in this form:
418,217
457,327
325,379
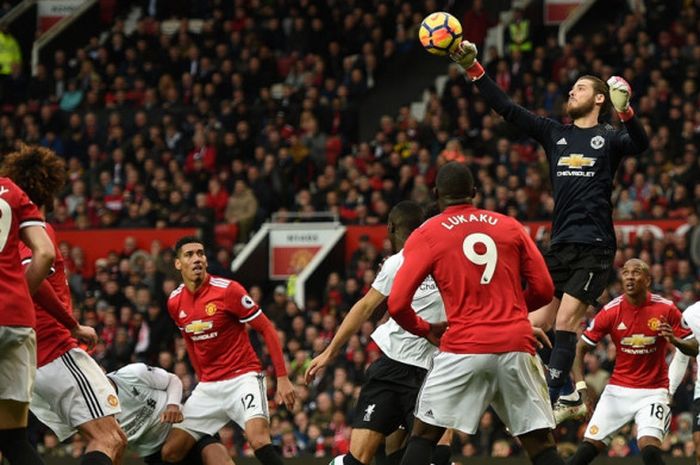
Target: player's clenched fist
620,93
172,414
285,392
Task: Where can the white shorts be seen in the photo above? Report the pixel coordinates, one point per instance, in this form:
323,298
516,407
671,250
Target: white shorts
17,362
619,405
459,388
70,391
213,404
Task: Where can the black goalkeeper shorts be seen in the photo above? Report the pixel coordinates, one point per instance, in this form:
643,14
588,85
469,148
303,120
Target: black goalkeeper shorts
580,270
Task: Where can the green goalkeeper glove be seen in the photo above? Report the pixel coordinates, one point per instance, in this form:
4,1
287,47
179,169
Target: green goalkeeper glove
465,56
620,94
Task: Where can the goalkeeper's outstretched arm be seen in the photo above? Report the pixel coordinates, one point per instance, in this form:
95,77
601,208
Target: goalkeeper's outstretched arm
535,126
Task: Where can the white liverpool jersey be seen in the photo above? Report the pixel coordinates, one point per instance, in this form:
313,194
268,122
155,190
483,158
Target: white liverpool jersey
397,343
141,391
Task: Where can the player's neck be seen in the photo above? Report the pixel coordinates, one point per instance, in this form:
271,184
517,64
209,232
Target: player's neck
193,286
587,121
637,300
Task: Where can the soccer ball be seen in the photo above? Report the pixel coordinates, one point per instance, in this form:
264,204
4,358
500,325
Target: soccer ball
337,461
440,33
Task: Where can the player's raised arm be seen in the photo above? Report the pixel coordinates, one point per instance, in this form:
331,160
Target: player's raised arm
540,288
535,126
416,266
358,314
634,139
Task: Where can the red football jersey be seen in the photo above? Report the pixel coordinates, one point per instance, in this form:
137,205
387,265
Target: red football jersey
212,321
479,260
52,339
640,361
16,212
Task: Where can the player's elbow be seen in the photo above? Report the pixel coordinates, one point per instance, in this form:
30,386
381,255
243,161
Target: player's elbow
44,255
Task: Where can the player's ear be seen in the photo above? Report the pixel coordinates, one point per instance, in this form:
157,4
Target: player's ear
178,265
600,99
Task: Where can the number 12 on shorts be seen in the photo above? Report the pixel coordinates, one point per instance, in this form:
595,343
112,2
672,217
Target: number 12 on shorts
489,257
247,401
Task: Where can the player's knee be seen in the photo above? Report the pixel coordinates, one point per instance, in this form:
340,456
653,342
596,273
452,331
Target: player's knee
120,440
171,453
111,441
115,442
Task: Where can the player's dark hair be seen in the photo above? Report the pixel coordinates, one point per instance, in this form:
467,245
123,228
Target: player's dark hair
600,87
38,171
454,182
406,216
184,241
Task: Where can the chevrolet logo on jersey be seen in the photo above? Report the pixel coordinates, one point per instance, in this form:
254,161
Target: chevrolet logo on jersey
576,161
198,326
638,341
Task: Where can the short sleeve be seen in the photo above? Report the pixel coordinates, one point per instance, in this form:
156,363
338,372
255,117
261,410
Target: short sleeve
240,304
599,327
385,279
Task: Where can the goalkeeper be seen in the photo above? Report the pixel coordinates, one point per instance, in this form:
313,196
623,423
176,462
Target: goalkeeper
583,158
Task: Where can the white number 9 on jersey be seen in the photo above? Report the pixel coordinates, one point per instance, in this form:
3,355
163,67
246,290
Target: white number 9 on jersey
488,258
5,222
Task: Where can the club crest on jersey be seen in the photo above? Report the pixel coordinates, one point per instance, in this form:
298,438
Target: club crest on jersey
576,161
198,326
112,400
210,308
597,142
653,324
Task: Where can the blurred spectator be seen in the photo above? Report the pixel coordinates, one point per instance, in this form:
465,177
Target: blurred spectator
476,23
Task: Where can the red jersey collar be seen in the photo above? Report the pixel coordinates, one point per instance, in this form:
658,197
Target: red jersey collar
646,302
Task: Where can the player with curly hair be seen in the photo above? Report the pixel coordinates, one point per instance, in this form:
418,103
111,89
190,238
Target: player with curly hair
71,391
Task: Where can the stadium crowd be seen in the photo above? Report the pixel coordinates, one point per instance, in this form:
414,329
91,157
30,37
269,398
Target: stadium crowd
255,111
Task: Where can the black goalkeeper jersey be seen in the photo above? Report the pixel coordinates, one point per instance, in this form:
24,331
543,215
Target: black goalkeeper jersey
582,166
